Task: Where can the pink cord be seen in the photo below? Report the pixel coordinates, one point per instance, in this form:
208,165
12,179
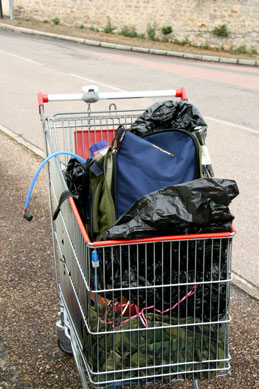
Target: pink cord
141,313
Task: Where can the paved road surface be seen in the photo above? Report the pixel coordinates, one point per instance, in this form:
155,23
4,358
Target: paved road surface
226,95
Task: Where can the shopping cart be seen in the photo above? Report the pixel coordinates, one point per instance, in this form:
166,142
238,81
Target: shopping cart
182,330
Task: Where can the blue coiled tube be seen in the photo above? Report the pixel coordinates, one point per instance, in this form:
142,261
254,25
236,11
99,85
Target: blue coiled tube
26,215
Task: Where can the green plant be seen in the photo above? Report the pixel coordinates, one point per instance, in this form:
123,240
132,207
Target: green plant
81,26
221,30
254,51
55,20
165,39
142,36
241,49
167,30
132,33
109,29
92,28
45,21
182,43
151,33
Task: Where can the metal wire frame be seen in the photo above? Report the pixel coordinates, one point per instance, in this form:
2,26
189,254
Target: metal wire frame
76,280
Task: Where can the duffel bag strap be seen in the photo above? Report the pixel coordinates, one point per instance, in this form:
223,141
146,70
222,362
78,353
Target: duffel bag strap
64,196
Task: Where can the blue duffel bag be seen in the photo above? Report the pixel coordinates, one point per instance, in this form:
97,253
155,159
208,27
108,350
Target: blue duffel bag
144,164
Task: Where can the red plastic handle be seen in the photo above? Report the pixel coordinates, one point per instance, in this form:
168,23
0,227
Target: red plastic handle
181,93
42,98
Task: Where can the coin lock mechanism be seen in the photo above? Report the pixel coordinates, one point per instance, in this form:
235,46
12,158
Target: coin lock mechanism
90,94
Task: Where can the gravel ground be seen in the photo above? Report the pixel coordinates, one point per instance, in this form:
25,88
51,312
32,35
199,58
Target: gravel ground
29,356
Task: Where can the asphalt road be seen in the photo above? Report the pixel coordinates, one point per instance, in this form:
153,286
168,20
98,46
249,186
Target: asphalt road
30,64
226,95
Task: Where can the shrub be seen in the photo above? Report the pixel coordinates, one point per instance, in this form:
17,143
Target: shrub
151,33
221,30
81,26
166,30
132,33
109,29
45,21
182,43
55,20
241,49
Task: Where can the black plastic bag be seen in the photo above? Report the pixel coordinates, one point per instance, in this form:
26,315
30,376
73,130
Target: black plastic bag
143,271
77,179
167,115
197,206
144,275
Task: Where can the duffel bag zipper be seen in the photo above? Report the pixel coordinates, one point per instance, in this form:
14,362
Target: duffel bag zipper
193,137
114,177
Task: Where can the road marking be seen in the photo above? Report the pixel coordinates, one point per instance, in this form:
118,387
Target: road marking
215,75
225,123
21,58
97,82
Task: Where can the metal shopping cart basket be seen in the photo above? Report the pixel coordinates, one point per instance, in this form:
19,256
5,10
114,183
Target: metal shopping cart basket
120,344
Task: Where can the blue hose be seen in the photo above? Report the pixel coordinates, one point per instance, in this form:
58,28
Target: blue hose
25,213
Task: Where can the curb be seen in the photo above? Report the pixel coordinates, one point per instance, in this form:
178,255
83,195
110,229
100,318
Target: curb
199,57
241,283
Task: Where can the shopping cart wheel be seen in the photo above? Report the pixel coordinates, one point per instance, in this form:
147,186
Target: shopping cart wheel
65,347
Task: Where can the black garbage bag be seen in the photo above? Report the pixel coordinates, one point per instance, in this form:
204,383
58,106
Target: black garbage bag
197,206
141,272
167,115
144,275
76,177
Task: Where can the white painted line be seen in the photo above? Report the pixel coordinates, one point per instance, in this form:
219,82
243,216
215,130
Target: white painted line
97,82
21,58
232,125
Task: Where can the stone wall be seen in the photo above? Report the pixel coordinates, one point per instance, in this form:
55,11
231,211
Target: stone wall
191,20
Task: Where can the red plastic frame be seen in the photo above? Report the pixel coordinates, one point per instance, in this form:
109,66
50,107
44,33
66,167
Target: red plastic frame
145,240
181,93
42,98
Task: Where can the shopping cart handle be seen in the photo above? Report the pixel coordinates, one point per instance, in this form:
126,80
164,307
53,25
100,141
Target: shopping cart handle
90,94
181,93
42,98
